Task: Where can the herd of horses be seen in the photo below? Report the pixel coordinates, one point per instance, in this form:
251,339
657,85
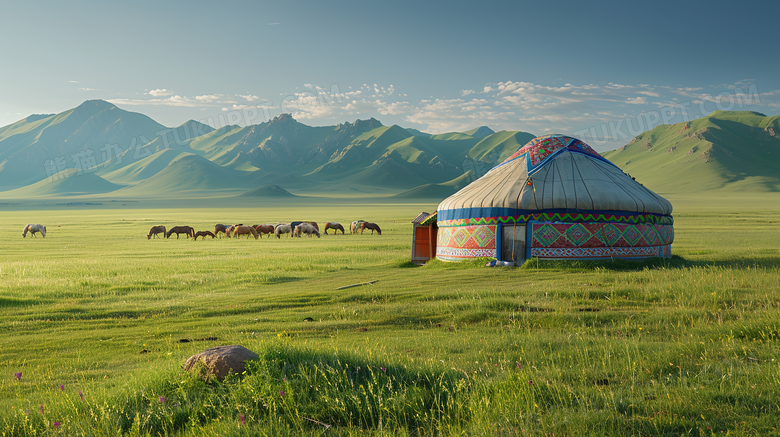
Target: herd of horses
295,229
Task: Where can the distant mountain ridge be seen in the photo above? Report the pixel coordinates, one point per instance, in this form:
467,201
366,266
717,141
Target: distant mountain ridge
127,154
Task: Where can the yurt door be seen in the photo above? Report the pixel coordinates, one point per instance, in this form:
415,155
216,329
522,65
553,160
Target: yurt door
513,243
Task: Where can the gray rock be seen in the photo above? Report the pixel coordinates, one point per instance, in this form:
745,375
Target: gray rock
219,361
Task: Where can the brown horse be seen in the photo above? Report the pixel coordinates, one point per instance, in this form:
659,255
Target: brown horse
244,230
219,228
159,229
204,234
265,229
335,226
372,226
187,230
316,226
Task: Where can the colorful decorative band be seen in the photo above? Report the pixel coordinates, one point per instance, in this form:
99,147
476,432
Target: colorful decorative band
467,237
602,252
453,253
560,217
570,235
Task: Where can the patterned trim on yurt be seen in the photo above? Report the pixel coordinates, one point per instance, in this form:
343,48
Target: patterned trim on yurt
571,235
540,150
595,216
602,252
462,242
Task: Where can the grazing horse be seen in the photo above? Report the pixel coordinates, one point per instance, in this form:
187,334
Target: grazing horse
187,230
232,228
316,226
34,229
244,230
354,227
306,228
204,234
265,229
159,229
372,226
282,229
335,226
219,227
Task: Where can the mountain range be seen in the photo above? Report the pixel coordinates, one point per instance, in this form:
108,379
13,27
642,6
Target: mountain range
100,150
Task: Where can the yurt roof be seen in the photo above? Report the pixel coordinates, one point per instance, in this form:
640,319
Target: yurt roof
552,173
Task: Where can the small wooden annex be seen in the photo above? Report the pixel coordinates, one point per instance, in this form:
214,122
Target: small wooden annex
424,237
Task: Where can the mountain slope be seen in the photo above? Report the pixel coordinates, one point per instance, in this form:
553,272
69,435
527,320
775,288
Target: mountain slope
34,148
65,183
496,147
187,174
438,191
727,150
269,191
145,168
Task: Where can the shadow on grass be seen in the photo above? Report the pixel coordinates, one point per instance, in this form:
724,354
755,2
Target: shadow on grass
675,262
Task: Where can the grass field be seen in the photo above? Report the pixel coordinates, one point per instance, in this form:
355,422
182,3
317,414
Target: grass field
94,313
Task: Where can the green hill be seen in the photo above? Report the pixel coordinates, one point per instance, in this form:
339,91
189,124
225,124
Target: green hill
143,169
269,191
187,174
727,150
480,132
498,146
438,191
65,183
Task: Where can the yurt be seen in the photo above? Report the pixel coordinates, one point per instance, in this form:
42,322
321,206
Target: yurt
555,198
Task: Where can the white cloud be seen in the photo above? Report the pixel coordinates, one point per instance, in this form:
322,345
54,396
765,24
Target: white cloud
649,93
207,98
249,97
160,93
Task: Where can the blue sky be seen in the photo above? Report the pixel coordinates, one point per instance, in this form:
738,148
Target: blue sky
569,67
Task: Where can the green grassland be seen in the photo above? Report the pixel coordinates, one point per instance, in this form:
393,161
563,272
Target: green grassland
686,346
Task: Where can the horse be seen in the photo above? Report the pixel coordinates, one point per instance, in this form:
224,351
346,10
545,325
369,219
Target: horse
282,229
335,226
354,227
244,230
34,229
159,229
219,227
316,226
187,230
306,228
372,226
204,234
232,228
265,229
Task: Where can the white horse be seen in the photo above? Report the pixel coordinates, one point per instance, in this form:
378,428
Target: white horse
283,229
306,228
34,229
